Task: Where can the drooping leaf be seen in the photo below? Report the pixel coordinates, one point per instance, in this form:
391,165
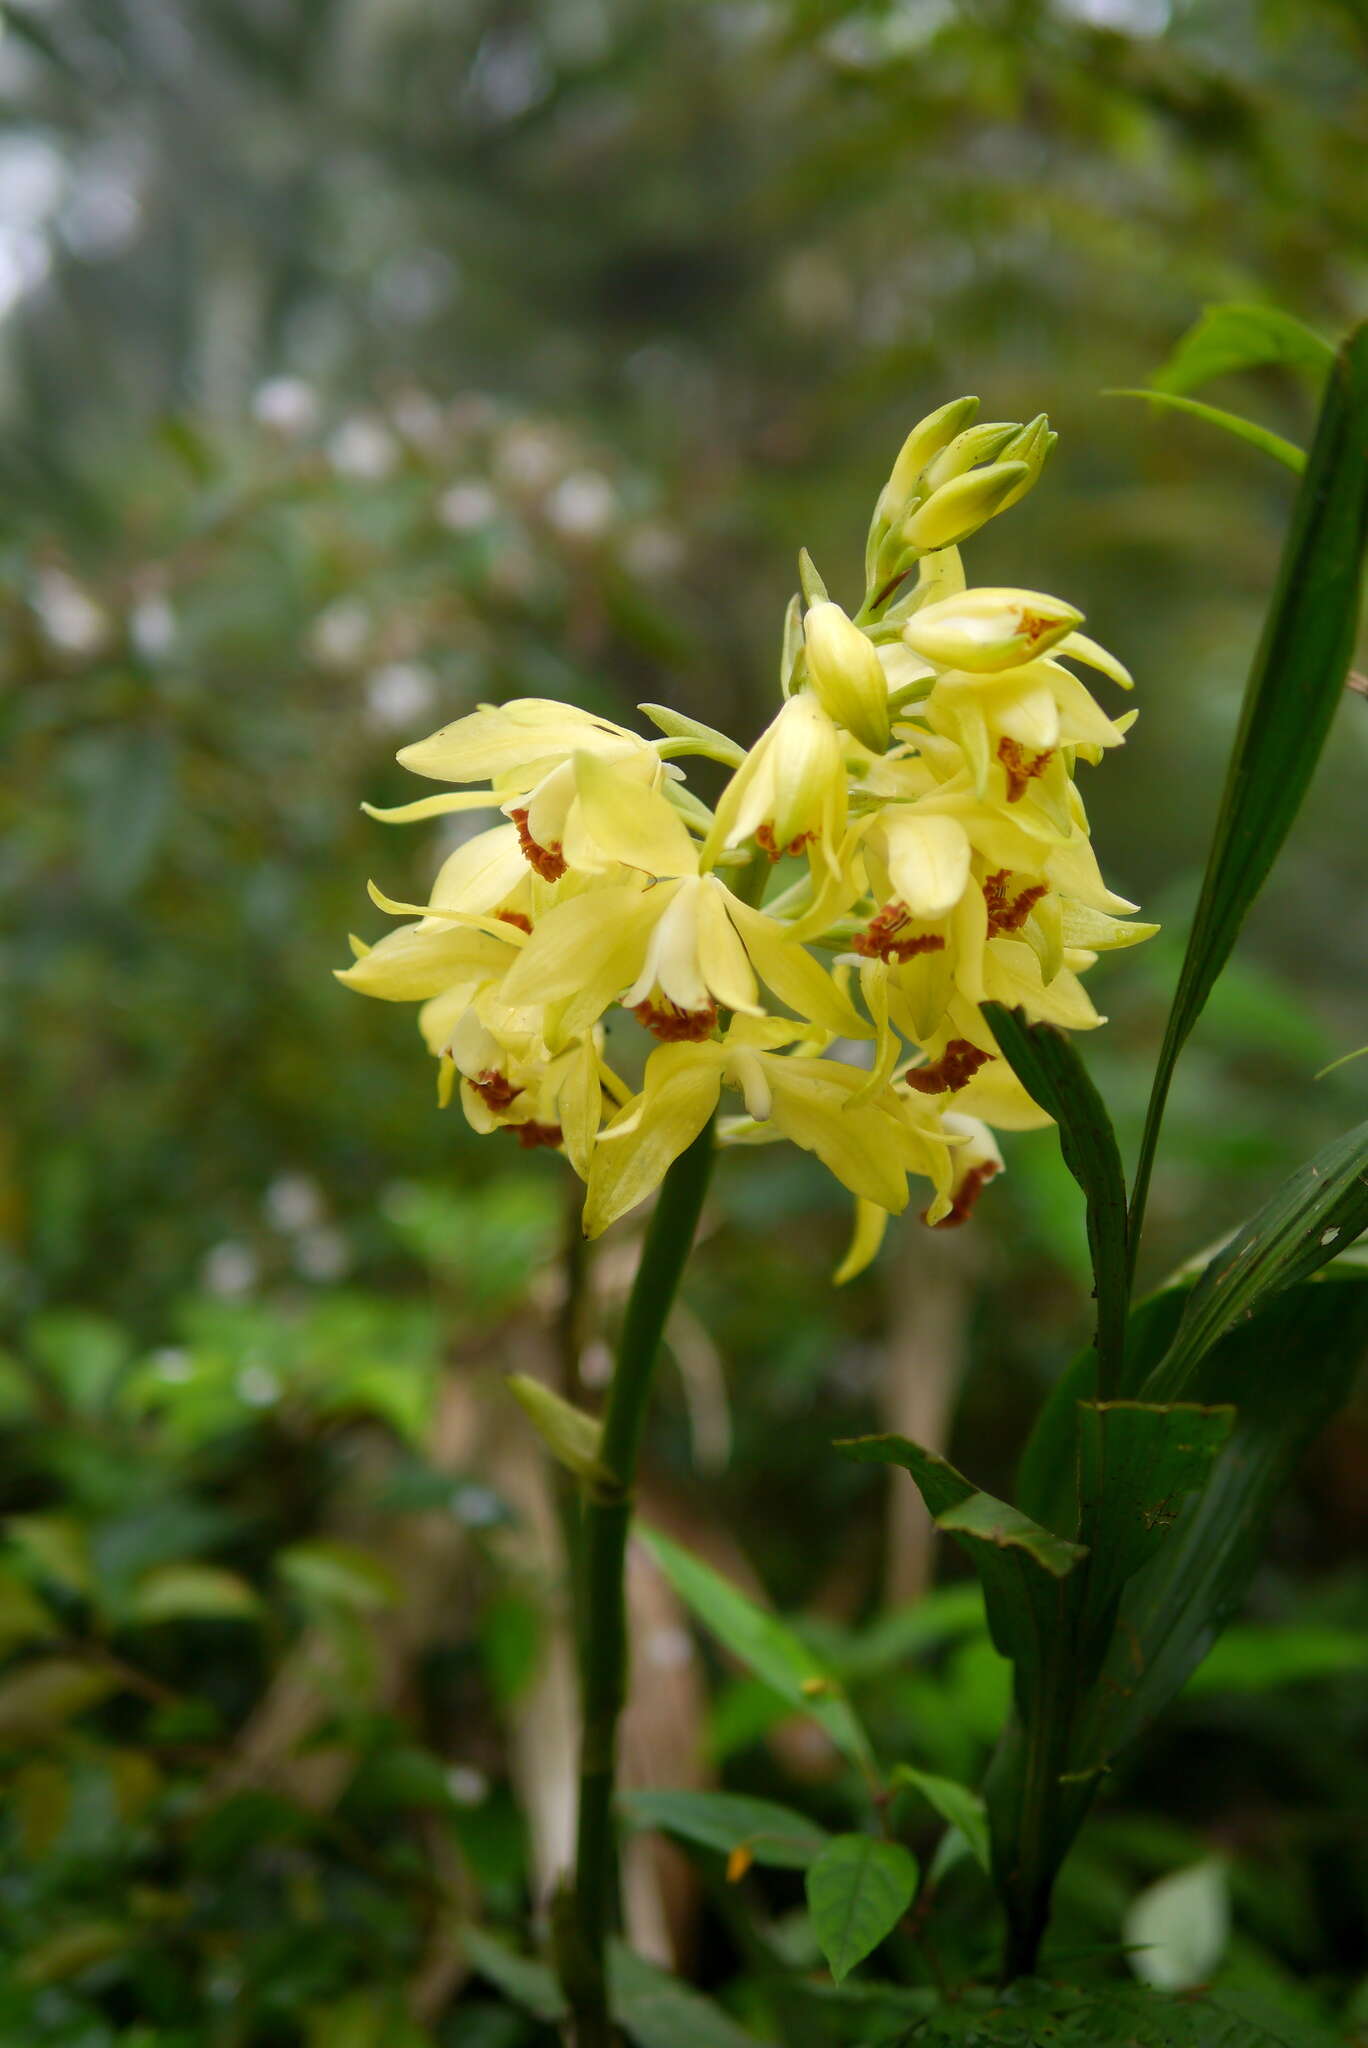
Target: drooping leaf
656,2011
1051,1070
727,1821
1021,1565
954,1802
1293,689
1238,337
857,1891
1263,438
1176,1930
1313,1217
763,1644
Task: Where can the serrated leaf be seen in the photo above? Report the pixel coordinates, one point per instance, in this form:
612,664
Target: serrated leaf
857,1891
1263,438
1176,1930
1237,337
1313,1216
727,1821
192,1592
1293,689
656,2011
1049,1067
764,1644
955,1803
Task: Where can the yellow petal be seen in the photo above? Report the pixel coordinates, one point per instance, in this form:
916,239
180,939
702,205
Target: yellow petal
498,739
860,1143
482,872
626,821
417,961
721,955
433,807
871,1222
590,946
792,973
928,860
682,1084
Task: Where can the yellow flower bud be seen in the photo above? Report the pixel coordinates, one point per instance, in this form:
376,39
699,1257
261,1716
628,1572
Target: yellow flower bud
926,440
986,630
846,676
970,450
962,506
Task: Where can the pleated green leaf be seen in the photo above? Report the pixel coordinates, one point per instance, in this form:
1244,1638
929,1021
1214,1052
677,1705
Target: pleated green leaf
1235,337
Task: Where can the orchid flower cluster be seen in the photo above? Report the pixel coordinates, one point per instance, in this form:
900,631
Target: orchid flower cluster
915,802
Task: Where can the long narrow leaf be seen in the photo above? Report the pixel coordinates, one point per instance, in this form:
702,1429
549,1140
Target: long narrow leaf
1263,438
1313,1217
763,1644
1050,1070
1293,689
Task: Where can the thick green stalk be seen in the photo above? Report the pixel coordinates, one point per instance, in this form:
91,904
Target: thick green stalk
604,1528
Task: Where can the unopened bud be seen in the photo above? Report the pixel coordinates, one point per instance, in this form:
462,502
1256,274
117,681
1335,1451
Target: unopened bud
1031,444
926,440
846,675
969,450
962,506
986,630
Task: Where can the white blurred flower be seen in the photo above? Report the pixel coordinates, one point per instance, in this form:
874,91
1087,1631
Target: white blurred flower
528,457
286,405
583,504
398,695
293,1202
467,506
467,1786
258,1386
339,634
418,418
230,1270
152,626
72,621
322,1254
172,1364
652,551
363,448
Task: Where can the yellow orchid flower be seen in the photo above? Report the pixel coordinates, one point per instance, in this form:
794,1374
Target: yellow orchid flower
871,1143
789,794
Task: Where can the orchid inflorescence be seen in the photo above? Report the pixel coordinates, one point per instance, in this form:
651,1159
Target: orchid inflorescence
914,797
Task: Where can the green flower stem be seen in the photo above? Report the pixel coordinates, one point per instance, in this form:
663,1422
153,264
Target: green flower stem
604,1527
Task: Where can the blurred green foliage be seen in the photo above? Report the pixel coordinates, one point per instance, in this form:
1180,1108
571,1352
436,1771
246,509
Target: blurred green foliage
360,361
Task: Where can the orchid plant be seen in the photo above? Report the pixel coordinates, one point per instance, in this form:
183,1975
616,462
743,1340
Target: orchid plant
872,946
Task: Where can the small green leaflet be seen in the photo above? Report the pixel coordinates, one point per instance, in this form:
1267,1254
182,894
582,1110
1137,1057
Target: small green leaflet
657,2011
954,1803
857,1891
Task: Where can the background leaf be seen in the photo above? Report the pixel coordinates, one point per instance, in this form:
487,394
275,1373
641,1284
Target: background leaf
1238,337
1263,438
858,1890
771,1833
763,1644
